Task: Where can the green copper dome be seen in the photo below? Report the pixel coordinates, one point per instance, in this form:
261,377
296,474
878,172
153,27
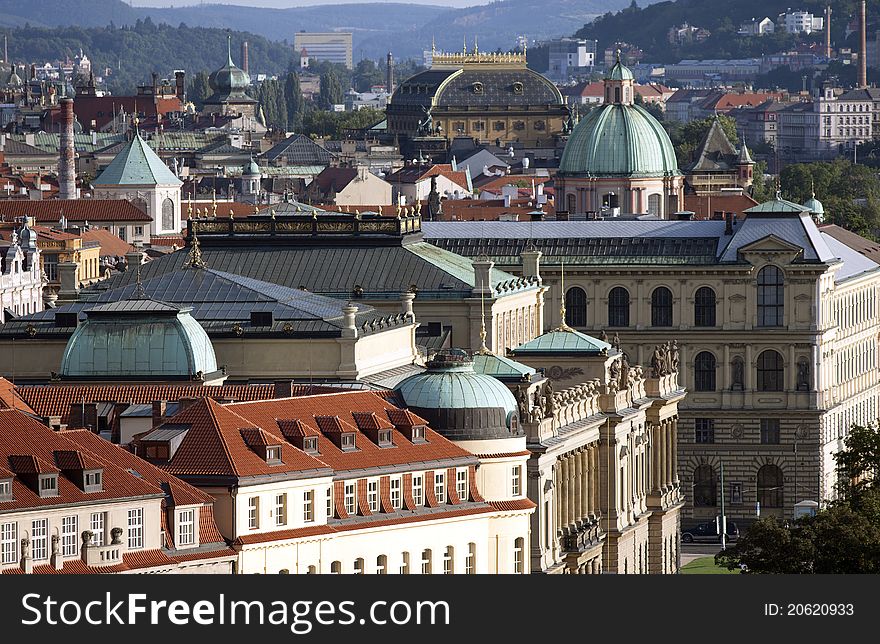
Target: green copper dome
251,169
620,71
228,82
138,339
460,403
619,140
814,206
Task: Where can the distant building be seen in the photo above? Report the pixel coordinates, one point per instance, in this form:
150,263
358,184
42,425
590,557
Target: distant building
570,57
800,22
21,282
757,27
712,73
334,47
685,33
759,123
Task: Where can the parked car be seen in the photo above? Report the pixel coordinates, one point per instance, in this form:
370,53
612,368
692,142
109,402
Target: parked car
709,533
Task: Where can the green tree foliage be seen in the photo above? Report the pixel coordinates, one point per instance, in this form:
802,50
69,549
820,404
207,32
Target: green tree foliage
271,97
850,193
295,102
333,124
132,52
199,89
762,189
844,538
687,137
366,74
331,90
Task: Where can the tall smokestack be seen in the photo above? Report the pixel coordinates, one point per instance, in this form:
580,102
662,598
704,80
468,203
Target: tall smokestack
66,164
389,74
5,50
828,31
863,60
244,57
180,85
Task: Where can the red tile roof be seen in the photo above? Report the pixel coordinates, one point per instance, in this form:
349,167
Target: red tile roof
75,210
55,400
504,454
10,398
110,242
510,506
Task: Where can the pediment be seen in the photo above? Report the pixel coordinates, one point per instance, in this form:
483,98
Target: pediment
771,246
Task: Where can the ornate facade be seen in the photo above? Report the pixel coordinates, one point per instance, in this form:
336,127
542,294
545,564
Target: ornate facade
777,324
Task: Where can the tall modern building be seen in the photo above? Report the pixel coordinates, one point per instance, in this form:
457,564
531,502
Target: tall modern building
334,47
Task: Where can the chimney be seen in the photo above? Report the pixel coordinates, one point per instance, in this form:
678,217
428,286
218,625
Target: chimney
83,415
66,162
155,77
482,276
180,85
349,329
728,223
531,261
133,259
406,305
284,388
863,60
828,31
67,275
159,407
244,57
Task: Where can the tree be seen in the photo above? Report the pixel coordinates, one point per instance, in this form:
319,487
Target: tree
331,90
843,538
366,74
762,190
687,138
295,102
271,98
199,89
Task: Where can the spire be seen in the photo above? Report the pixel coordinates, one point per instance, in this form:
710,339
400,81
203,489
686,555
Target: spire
139,292
483,350
812,189
563,326
229,50
618,56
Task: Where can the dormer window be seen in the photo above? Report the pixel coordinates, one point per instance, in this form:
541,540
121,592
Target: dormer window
48,485
93,481
5,490
517,88
310,445
157,451
273,454
418,434
348,441
385,438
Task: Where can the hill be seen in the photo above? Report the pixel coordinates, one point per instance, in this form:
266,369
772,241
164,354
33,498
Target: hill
406,29
647,27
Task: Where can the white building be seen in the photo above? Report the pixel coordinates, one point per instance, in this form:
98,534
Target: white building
757,27
347,483
571,56
797,22
21,280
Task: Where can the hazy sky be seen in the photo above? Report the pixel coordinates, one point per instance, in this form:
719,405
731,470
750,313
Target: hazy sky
295,3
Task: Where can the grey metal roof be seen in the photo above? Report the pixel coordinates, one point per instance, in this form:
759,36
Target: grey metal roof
854,263
299,150
138,411
166,433
799,230
135,306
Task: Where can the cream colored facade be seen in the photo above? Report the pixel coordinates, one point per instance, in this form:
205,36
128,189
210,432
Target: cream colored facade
776,440
602,470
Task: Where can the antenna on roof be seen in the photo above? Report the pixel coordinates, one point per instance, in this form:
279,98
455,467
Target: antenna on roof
562,325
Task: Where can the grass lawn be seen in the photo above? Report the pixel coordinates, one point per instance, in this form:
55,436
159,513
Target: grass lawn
706,566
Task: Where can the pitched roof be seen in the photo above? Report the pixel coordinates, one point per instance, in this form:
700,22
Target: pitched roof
10,397
110,243
75,210
777,218
716,151
560,341
137,165
866,247
215,445
299,149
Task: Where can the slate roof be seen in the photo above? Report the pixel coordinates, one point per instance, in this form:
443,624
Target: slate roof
299,149
75,210
501,367
137,165
798,230
560,341
716,152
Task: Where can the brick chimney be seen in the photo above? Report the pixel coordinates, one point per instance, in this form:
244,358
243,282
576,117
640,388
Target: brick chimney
863,59
66,162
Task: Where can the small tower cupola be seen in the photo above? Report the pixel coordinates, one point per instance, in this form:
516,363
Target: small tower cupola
619,84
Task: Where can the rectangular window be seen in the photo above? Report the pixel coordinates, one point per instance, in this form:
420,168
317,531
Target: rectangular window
349,498
186,527
348,442
516,476
470,560
770,431
69,528
440,487
373,495
273,455
396,500
448,561
309,506
426,562
330,512
417,490
138,231
280,509
518,556
461,484
704,430
40,539
8,543
136,528
5,490
93,482
96,525
736,492
48,485
254,512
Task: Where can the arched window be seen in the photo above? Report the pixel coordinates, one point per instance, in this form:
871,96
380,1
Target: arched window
618,307
381,565
336,568
771,371
449,561
704,486
310,570
704,371
167,215
576,307
359,566
770,486
616,94
661,307
470,560
654,204
571,202
704,307
404,564
771,296
519,555
426,561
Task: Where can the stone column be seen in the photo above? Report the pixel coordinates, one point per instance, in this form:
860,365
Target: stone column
670,471
655,450
749,370
597,487
563,492
674,423
791,370
661,473
572,489
557,499
585,484
725,370
577,486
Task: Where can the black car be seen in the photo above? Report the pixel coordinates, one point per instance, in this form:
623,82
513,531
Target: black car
709,533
